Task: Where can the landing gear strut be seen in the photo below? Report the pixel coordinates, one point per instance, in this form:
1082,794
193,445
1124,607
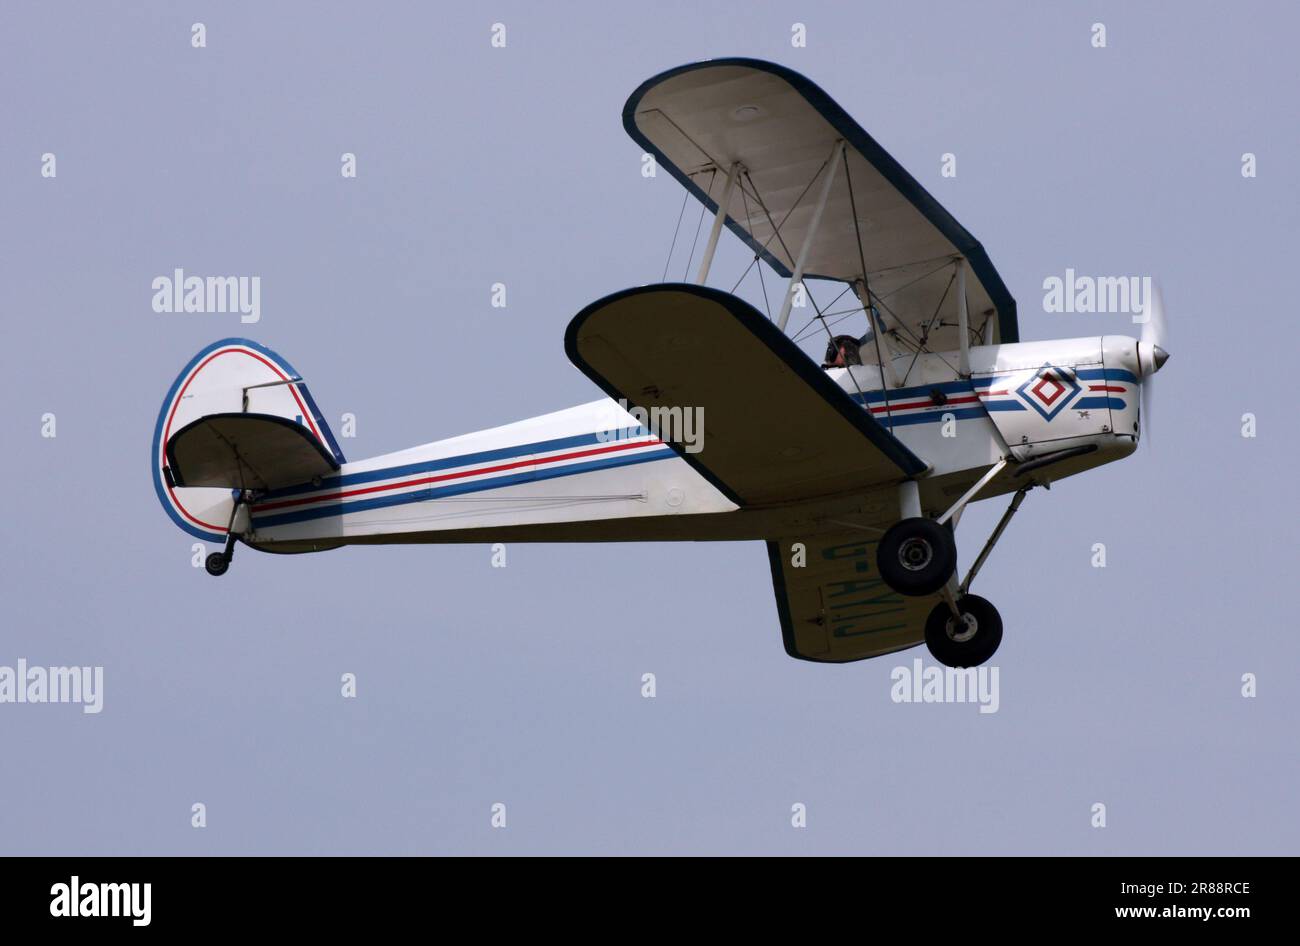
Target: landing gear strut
218,562
918,557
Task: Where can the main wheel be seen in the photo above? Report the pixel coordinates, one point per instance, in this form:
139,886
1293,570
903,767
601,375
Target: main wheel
972,642
916,556
216,563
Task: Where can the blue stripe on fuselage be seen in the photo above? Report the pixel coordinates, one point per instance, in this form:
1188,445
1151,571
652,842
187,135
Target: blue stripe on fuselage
439,492
464,459
1097,403
1106,374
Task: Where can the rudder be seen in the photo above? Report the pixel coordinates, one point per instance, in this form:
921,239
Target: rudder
231,376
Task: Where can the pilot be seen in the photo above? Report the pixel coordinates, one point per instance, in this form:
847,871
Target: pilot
841,352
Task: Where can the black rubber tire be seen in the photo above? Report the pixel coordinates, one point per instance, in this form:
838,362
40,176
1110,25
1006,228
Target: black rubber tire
974,651
216,564
916,556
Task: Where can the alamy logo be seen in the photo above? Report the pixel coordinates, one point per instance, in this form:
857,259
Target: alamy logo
181,293
684,425
918,684
78,899
1098,294
24,684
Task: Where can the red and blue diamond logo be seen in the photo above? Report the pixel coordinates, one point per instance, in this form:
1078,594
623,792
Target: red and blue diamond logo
1049,390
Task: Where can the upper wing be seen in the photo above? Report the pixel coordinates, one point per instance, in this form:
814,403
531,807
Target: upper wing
775,428
246,451
834,607
699,119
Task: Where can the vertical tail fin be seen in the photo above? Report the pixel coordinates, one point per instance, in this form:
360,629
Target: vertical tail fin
231,376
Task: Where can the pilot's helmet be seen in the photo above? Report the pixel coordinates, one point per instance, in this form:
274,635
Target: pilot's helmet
842,352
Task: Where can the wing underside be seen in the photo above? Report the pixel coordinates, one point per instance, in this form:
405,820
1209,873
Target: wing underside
699,120
775,428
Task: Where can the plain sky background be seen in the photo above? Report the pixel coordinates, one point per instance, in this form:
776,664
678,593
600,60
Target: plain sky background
522,685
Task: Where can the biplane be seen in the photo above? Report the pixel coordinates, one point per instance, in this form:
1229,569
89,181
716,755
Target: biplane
855,472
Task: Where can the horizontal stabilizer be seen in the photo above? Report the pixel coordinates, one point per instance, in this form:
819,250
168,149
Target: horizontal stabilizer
246,451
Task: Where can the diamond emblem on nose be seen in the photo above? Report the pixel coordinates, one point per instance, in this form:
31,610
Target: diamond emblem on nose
1048,391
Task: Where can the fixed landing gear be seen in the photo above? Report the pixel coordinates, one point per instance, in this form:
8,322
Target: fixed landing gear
217,563
916,556
967,641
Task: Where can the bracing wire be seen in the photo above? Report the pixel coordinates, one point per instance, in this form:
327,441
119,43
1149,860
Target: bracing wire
862,262
681,213
761,282
686,276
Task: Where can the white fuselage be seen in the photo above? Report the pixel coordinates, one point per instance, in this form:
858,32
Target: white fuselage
590,473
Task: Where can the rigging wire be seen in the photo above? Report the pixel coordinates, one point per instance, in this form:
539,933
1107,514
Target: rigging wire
844,316
821,316
686,276
803,328
925,332
749,229
862,261
880,298
776,230
904,327
681,213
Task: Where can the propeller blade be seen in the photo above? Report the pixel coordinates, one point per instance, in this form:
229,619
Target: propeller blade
1153,352
1154,331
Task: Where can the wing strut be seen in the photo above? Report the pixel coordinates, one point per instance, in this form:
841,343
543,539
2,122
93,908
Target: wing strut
796,277
862,289
963,321
718,219
885,358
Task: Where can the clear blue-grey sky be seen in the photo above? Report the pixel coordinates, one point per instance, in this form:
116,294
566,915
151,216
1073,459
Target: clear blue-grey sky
1119,685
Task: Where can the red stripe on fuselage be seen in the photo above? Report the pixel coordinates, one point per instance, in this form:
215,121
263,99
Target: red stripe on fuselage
461,474
973,399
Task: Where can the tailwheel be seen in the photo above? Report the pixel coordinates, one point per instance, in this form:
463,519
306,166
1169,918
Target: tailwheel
967,643
218,562
916,556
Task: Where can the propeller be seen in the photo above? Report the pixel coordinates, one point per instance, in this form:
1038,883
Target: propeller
1153,351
